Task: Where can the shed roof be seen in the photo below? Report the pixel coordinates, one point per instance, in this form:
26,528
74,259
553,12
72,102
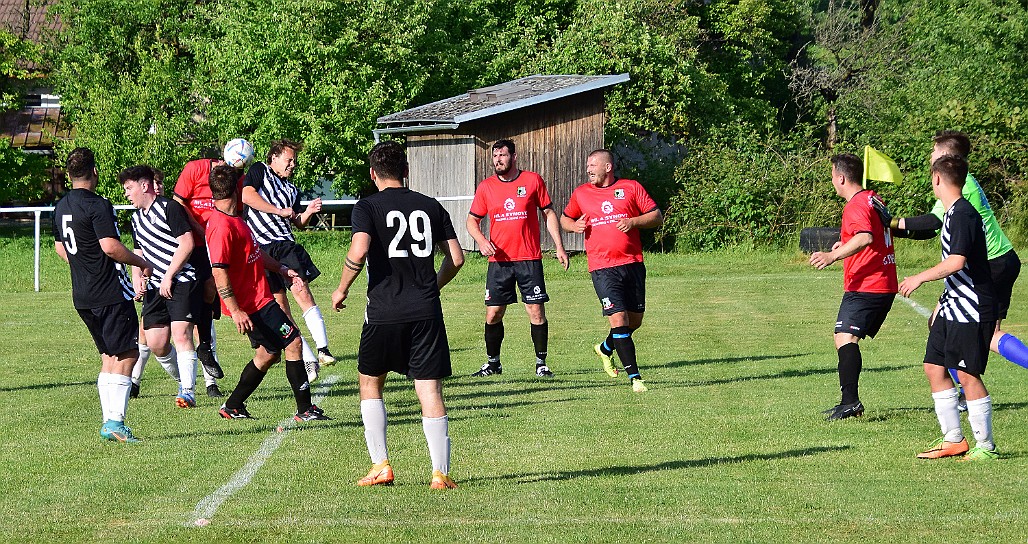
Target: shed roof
487,101
26,19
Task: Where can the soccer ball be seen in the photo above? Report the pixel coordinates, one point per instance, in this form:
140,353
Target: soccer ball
238,153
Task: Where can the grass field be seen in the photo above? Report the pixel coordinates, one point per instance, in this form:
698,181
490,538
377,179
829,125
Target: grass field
727,446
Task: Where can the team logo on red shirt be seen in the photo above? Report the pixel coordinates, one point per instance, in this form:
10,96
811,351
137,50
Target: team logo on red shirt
619,194
607,207
522,192
508,204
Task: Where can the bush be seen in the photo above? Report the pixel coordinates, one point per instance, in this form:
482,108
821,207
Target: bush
752,195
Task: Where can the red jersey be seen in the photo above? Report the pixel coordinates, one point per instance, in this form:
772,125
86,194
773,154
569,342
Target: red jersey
512,207
193,187
231,246
605,245
872,269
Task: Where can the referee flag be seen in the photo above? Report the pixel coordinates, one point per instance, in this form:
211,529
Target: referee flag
879,167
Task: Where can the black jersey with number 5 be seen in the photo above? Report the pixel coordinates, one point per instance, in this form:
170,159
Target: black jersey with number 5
404,226
81,219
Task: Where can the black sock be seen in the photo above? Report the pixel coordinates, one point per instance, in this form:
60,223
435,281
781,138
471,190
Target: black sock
607,346
625,347
297,376
203,324
493,341
249,379
850,364
540,336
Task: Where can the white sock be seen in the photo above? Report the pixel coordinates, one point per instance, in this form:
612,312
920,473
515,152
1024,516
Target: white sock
170,364
438,436
979,414
116,389
948,414
187,369
137,369
308,353
102,389
208,380
316,324
373,413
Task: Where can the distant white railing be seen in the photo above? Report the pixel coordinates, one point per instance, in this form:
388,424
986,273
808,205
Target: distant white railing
38,212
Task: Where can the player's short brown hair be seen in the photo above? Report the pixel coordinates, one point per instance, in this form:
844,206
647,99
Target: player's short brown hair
951,168
81,163
278,146
223,181
388,160
850,166
953,142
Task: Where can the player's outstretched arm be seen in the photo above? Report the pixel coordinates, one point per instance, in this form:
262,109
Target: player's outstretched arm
485,245
228,296
253,199
950,265
59,248
304,219
573,225
117,251
360,244
859,241
453,259
178,260
553,227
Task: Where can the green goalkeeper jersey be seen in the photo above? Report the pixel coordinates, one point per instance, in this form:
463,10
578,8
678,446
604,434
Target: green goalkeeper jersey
995,240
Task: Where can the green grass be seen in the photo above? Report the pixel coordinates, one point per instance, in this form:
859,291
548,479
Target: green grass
727,446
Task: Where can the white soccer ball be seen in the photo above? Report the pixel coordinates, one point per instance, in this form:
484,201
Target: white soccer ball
238,153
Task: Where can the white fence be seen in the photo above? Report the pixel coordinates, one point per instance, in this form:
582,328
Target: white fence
38,212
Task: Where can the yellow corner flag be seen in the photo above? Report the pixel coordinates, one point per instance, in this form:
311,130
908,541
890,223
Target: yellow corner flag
879,167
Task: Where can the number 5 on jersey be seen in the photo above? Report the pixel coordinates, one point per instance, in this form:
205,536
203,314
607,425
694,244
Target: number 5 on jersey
69,235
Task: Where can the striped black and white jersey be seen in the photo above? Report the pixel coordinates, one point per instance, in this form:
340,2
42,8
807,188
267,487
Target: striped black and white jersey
968,297
155,231
81,219
278,192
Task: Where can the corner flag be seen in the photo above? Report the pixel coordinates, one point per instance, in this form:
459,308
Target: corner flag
879,167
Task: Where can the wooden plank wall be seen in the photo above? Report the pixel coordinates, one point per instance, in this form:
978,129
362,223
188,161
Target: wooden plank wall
553,139
444,165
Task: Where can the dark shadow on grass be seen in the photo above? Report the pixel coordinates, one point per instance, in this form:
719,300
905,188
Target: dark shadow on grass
531,477
892,413
696,362
785,374
43,386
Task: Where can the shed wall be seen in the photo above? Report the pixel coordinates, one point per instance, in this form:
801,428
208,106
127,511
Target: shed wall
552,139
444,165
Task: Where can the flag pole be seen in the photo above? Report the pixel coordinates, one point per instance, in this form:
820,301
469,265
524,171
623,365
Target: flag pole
863,182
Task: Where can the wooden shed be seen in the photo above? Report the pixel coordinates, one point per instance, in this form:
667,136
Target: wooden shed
554,120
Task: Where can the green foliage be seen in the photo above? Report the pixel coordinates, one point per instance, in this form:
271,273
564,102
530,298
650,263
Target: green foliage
22,176
753,193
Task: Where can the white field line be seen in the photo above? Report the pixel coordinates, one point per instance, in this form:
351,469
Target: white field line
917,307
206,508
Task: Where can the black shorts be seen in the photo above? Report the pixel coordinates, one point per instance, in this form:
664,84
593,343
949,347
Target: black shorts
272,329
862,314
961,346
621,288
501,277
114,328
1005,270
295,257
185,304
418,349
201,261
